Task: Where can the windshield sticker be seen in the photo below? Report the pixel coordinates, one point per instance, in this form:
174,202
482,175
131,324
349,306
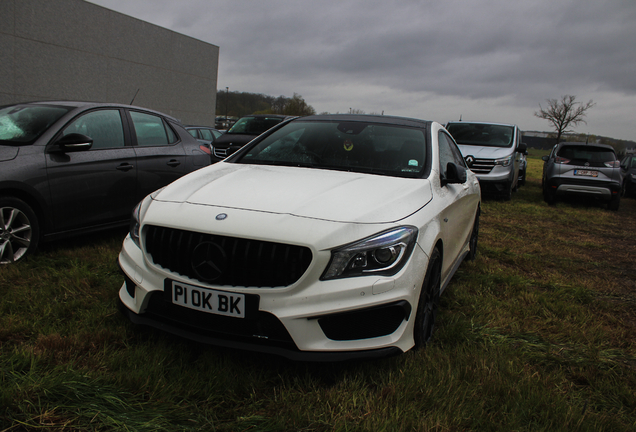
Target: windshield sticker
348,145
413,162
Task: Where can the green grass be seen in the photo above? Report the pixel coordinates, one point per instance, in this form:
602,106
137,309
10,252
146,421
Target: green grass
536,334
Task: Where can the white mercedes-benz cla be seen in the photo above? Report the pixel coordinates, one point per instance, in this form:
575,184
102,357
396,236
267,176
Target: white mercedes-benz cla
327,238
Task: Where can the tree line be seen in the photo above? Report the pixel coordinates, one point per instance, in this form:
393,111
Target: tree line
238,104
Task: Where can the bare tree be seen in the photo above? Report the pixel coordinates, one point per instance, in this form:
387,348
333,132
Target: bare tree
564,113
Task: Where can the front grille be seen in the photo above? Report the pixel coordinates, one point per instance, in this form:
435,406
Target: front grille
220,152
482,166
222,260
367,323
259,327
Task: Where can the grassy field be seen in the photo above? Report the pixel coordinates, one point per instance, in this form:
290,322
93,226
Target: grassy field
536,334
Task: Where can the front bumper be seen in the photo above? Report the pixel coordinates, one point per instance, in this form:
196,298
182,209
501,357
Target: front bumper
313,320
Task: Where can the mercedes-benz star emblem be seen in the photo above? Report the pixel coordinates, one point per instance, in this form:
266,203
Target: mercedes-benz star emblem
221,216
209,261
469,160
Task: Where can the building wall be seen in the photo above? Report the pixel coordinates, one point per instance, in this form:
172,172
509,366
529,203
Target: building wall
75,50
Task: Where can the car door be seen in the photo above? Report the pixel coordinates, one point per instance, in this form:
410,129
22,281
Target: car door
161,157
456,200
96,186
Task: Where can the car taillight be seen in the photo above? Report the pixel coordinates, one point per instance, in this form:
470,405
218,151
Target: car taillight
613,164
561,160
206,149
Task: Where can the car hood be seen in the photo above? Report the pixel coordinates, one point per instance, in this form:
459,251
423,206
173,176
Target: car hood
304,192
485,152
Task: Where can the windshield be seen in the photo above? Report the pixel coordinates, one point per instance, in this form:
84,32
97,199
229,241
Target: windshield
254,125
23,124
347,146
480,134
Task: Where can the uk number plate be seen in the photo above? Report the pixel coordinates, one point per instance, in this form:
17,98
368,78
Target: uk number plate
588,173
207,300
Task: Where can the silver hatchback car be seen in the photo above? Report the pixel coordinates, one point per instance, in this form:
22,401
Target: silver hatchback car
577,168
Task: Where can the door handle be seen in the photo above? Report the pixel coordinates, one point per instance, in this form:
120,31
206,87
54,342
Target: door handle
125,167
174,163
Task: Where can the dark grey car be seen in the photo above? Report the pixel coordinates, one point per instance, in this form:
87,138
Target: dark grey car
577,168
628,169
72,167
243,131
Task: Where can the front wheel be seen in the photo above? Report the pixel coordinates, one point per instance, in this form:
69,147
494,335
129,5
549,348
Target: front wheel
429,299
474,236
19,230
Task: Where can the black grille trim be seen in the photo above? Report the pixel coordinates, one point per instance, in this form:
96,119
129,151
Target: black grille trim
250,263
366,323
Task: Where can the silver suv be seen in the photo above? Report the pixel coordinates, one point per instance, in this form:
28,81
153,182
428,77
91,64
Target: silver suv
577,168
494,152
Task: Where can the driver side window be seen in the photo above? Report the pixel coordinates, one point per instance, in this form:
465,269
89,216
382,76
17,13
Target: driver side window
103,126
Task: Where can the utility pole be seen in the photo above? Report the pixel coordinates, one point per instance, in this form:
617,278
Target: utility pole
227,98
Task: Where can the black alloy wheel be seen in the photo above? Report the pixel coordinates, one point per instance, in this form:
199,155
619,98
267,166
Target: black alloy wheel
429,299
19,230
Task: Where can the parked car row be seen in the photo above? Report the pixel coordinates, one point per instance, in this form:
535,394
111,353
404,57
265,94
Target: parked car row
318,238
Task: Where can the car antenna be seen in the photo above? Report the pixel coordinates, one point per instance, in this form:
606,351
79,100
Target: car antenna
133,99
460,117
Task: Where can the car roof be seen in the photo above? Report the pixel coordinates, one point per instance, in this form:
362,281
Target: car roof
382,119
267,115
484,123
88,105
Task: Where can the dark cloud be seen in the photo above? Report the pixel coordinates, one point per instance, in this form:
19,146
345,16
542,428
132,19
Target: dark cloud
340,54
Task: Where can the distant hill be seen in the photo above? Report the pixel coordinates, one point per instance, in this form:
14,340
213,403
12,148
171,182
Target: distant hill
546,140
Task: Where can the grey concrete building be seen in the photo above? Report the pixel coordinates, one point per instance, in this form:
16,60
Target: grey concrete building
75,50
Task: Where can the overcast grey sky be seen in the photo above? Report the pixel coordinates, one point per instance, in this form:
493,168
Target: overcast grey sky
484,60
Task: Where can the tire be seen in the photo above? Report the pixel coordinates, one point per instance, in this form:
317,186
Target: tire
549,196
428,301
19,230
474,236
614,203
523,179
507,194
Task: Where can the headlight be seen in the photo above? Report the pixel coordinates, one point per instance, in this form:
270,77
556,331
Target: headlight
135,224
135,220
503,162
382,254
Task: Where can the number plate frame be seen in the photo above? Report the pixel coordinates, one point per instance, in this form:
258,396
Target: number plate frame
211,301
586,173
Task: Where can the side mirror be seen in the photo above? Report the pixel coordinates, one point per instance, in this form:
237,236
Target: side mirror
545,158
454,174
522,147
74,142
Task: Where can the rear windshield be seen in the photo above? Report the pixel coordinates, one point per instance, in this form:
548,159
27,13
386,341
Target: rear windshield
23,124
585,153
479,134
254,125
346,146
